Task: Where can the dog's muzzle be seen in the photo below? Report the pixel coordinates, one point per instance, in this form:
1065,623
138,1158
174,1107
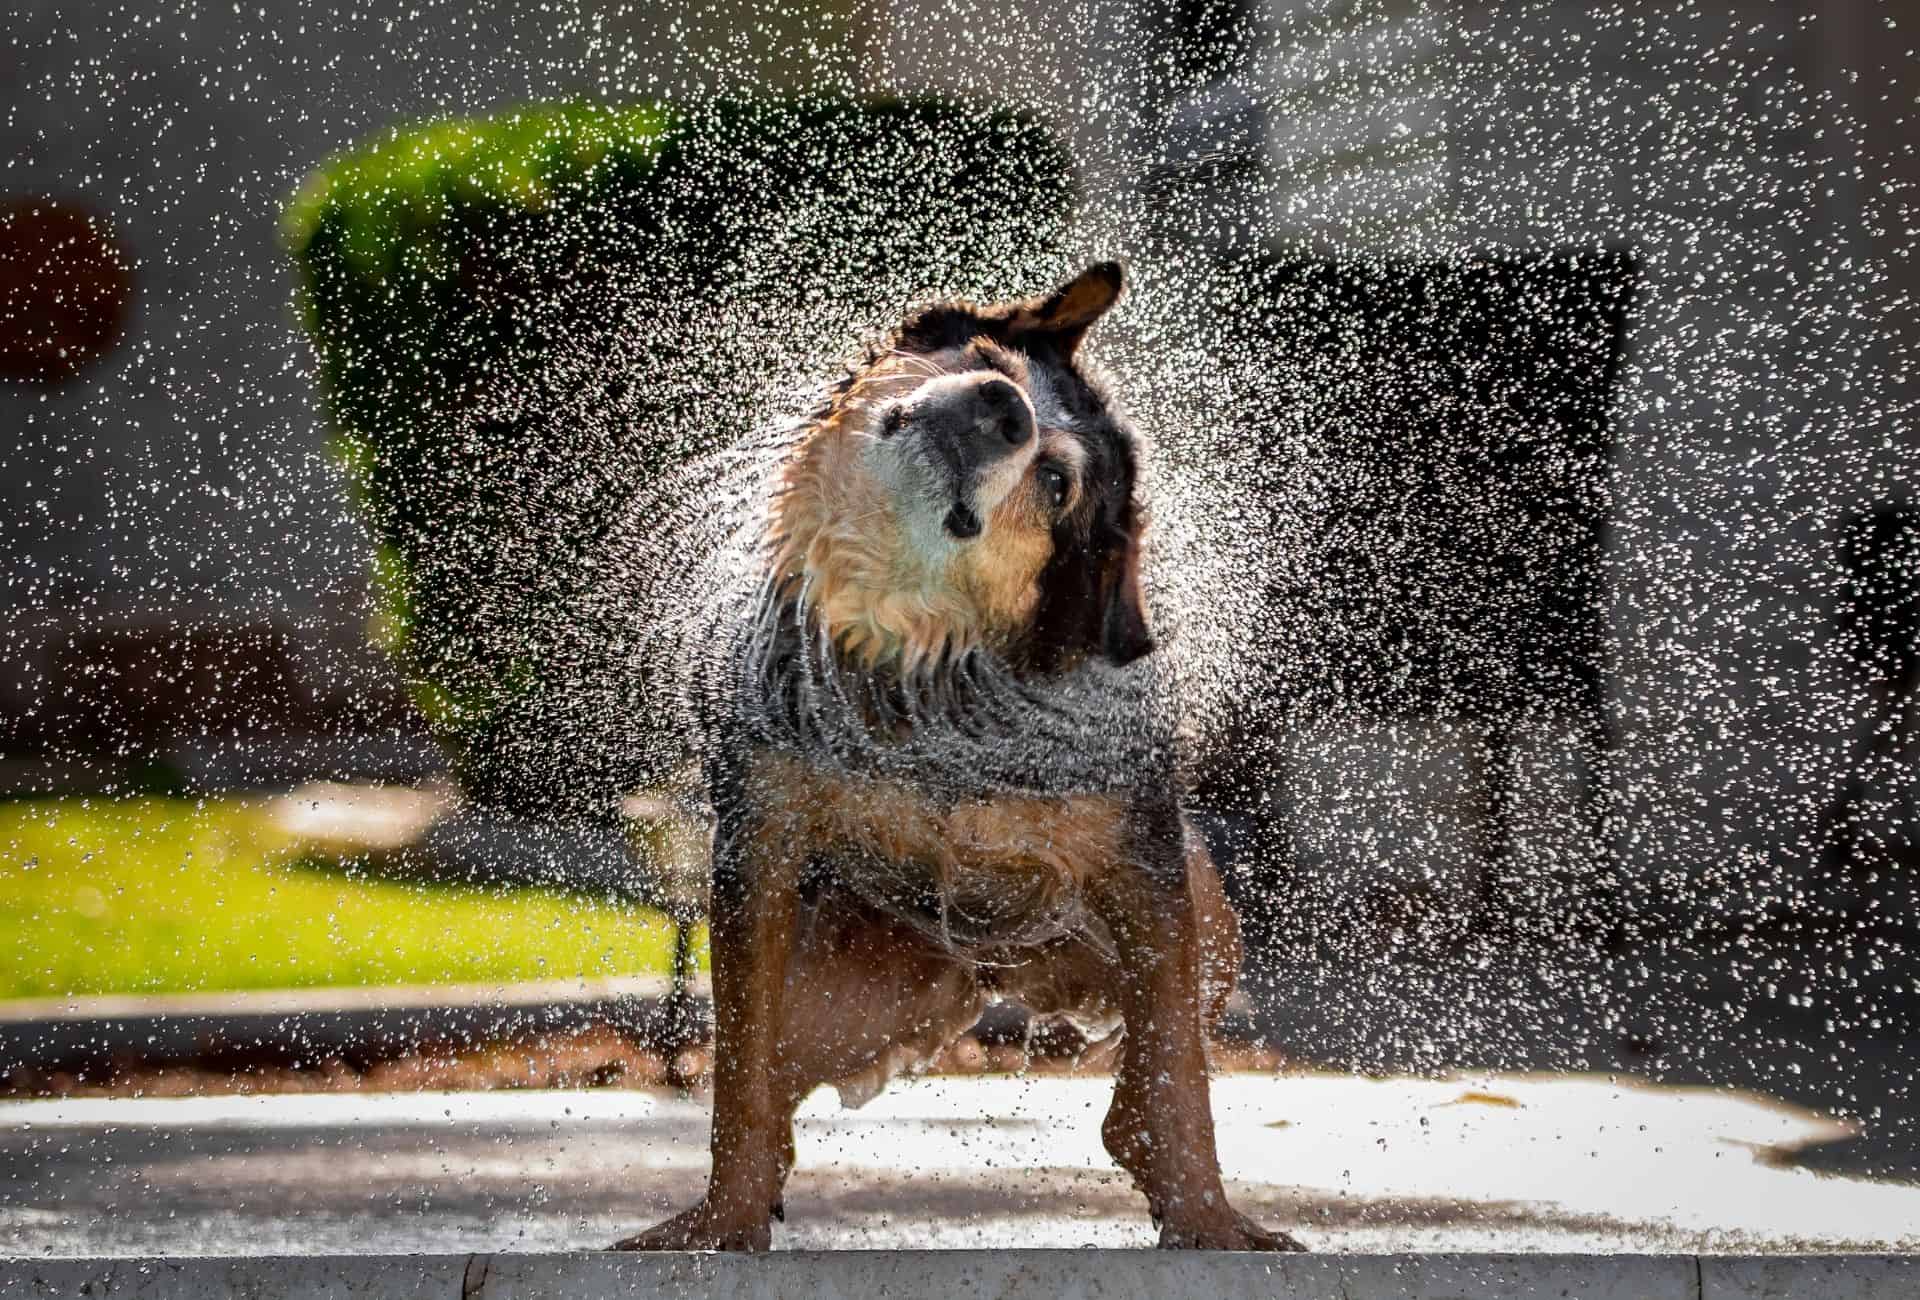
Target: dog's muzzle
966,425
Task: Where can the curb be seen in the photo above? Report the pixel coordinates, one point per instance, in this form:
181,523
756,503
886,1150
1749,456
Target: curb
311,1024
982,1275
316,1023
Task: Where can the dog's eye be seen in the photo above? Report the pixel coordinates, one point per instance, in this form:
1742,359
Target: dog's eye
1053,482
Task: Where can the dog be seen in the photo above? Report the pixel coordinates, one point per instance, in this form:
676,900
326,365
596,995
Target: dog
939,781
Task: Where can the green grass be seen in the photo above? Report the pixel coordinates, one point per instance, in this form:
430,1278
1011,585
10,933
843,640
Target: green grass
175,895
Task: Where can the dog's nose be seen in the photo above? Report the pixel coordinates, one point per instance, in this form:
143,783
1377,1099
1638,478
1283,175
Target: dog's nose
1006,411
963,425
974,417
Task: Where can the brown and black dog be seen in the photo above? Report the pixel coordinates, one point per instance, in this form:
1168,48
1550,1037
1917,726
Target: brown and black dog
913,817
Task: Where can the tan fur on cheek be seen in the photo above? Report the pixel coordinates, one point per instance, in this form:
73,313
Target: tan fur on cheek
1001,573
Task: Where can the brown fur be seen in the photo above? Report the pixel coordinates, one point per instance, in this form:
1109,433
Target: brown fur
1075,840
816,982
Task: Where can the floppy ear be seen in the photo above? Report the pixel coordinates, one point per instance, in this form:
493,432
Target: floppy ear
1068,311
1090,605
1124,635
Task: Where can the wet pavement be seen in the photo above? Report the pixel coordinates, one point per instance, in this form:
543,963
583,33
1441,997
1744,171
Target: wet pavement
1825,1024
1481,1163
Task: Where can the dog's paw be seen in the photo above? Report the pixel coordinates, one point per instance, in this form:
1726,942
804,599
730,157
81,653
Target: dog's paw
1235,1232
700,1229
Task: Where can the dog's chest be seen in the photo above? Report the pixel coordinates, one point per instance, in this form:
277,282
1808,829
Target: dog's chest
1004,870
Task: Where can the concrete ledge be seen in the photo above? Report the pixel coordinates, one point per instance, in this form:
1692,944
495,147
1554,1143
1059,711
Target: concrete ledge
314,1023
978,1275
310,1024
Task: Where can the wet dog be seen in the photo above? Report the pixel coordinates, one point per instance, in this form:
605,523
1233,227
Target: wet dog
944,775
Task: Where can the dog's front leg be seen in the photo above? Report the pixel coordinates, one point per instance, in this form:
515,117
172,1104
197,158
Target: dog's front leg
1160,1126
755,879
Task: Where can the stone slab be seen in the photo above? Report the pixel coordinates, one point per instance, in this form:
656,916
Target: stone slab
976,1275
1829,1277
1083,1275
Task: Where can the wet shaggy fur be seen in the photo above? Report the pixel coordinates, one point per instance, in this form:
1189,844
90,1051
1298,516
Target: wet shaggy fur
943,767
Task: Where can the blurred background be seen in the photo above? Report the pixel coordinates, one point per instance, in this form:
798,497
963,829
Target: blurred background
1531,392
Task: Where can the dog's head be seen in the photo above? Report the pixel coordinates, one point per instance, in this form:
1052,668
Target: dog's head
972,486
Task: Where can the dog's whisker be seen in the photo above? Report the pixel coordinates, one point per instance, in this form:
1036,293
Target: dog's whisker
919,363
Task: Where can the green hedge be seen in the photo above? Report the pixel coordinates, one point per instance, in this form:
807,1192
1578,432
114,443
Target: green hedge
519,320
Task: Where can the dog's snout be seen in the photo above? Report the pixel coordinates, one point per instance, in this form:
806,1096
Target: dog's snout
967,435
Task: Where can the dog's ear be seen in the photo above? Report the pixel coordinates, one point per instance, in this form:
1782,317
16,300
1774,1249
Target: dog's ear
1124,635
1090,605
1069,311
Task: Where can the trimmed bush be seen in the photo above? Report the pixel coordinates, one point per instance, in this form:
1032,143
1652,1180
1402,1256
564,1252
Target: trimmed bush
658,269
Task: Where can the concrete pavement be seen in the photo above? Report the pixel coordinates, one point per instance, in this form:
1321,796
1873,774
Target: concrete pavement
1489,1163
